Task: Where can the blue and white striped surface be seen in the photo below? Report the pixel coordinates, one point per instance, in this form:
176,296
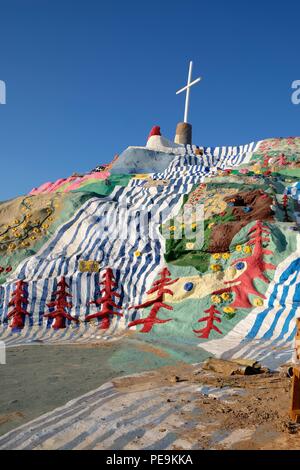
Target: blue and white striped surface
111,419
94,233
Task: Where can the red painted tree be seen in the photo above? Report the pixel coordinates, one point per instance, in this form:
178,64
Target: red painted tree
210,326
266,161
61,305
19,301
282,160
106,301
160,288
256,266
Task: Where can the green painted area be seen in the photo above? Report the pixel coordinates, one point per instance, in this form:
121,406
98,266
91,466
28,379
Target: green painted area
294,172
104,187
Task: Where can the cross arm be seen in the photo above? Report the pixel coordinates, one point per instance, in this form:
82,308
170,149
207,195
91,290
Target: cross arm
189,85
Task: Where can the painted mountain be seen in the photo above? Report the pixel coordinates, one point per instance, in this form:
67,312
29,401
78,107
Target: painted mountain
112,254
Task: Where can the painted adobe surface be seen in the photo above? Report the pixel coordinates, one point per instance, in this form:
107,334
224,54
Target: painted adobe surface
238,293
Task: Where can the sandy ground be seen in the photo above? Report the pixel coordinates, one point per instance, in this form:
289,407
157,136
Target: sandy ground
37,379
235,412
214,411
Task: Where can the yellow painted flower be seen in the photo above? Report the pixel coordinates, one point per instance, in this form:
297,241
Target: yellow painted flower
45,226
216,267
137,254
172,228
238,248
190,246
36,230
226,255
18,234
247,249
225,296
229,310
194,224
216,299
33,237
211,225
216,256
49,210
257,302
17,221
12,246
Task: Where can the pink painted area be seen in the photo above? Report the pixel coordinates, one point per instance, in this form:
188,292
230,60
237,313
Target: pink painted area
101,175
71,183
40,189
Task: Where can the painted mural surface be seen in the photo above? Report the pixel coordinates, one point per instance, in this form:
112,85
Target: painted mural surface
68,272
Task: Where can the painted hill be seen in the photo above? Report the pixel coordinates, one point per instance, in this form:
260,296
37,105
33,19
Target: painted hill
112,252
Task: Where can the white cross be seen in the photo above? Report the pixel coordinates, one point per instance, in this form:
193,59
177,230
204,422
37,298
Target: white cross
187,88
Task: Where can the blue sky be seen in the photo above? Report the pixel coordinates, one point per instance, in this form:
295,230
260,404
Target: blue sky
87,78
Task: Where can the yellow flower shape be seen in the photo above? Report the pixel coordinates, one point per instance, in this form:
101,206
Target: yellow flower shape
228,310
257,302
33,237
211,225
45,226
226,255
18,234
17,221
216,267
190,246
12,246
225,296
137,254
238,248
49,210
247,249
194,224
216,299
216,256
36,230
172,228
